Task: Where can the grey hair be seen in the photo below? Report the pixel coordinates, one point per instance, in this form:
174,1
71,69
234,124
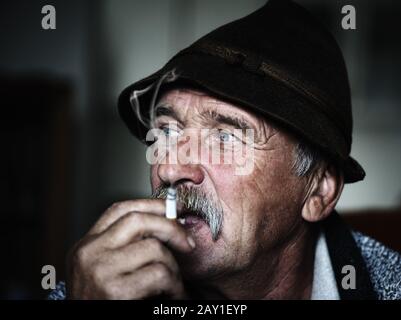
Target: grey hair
307,159
198,202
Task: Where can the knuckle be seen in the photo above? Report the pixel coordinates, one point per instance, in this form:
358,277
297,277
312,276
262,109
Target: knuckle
82,250
161,272
168,282
81,255
97,273
112,291
156,246
115,206
136,218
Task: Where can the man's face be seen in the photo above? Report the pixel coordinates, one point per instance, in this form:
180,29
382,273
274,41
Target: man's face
261,210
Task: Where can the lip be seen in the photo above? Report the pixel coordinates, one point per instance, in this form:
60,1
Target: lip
191,221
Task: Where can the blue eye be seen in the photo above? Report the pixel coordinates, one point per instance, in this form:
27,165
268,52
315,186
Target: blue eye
170,132
226,136
166,130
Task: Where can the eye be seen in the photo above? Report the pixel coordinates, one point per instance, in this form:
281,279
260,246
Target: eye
170,132
225,136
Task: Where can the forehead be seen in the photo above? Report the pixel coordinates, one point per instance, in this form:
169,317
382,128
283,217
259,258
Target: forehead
188,103
184,100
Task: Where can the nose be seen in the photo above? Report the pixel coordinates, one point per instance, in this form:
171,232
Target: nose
176,174
178,171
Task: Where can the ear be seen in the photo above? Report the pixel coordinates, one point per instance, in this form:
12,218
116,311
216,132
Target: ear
324,191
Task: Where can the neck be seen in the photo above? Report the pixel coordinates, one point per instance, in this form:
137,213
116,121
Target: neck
285,272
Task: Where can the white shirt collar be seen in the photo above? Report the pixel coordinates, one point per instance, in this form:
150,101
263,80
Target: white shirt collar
324,286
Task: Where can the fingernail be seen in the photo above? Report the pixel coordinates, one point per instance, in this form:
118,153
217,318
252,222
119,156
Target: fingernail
191,242
181,221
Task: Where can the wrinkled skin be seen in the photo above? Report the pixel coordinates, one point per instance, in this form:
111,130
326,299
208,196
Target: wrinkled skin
266,244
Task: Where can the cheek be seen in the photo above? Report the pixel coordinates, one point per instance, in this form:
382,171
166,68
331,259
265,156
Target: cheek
266,203
282,194
237,200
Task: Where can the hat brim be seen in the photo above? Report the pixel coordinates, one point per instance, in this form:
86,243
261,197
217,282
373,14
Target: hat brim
259,93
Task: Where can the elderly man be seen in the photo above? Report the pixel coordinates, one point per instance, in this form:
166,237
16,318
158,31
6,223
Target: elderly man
267,232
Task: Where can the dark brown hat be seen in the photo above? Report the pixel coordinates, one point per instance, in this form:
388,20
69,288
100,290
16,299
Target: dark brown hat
278,61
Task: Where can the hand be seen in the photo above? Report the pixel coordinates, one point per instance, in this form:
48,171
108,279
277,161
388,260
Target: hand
126,254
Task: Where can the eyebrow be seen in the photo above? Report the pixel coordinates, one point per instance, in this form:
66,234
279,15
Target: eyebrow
165,110
236,122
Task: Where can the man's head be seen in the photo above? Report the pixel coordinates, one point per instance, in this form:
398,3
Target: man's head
289,187
280,62
281,74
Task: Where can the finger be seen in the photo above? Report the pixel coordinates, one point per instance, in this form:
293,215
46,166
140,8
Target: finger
117,210
135,226
135,256
152,280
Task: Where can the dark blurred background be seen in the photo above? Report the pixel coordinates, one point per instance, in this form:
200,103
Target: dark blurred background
66,156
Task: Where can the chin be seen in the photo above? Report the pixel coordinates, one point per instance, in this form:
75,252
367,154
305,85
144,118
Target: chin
206,260
199,268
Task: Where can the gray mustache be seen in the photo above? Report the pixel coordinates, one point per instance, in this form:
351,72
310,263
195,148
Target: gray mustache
196,201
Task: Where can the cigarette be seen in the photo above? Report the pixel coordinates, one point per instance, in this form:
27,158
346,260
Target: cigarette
171,203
